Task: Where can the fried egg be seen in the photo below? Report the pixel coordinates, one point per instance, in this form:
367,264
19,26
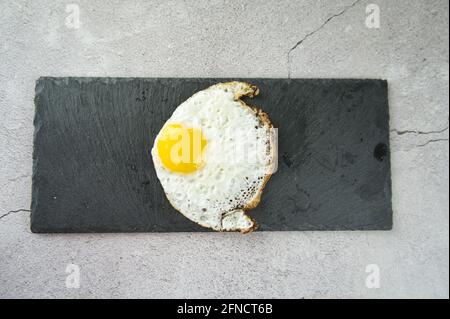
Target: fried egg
214,156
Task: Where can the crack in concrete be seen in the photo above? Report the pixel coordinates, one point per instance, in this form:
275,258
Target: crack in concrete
432,141
315,31
419,132
15,211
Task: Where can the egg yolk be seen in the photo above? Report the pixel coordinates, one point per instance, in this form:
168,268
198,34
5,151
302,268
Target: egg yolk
180,149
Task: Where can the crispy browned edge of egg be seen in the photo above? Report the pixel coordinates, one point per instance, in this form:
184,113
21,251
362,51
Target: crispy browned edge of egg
251,91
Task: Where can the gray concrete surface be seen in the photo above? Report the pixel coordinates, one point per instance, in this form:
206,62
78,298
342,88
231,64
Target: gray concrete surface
234,38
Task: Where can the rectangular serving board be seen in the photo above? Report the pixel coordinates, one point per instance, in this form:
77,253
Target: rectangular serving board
92,169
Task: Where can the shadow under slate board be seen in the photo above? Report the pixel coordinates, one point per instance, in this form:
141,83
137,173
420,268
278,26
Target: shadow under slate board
92,169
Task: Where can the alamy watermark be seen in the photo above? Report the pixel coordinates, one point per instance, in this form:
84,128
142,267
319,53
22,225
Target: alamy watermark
73,18
373,16
373,277
73,276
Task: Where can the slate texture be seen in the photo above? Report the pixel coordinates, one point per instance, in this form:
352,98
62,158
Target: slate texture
93,170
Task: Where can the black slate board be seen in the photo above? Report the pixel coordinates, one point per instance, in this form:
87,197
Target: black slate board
92,170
